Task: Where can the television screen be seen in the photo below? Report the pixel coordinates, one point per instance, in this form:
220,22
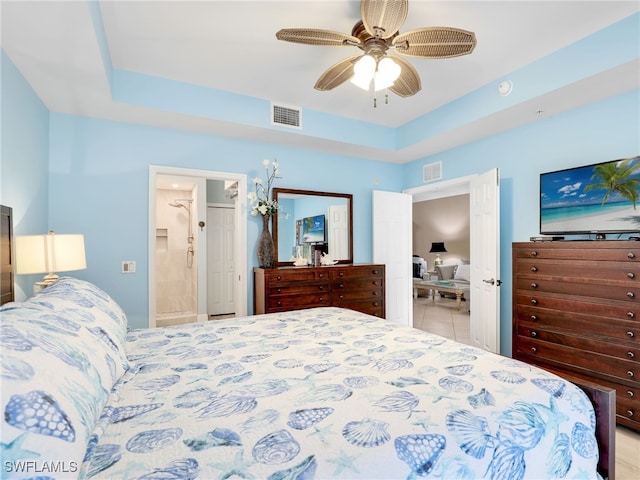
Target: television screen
313,229
598,198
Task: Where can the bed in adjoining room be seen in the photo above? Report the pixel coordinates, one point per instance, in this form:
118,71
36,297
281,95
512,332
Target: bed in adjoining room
318,393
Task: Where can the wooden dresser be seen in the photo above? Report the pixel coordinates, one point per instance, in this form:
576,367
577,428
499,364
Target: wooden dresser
576,310
358,287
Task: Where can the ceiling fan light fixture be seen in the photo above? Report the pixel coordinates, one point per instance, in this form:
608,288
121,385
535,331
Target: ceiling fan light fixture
363,71
387,73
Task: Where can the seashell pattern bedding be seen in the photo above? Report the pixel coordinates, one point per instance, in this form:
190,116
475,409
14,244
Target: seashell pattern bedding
318,393
332,393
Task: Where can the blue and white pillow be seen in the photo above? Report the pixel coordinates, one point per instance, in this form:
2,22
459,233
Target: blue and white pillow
61,353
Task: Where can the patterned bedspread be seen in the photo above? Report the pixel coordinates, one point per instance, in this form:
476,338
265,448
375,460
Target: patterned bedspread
332,393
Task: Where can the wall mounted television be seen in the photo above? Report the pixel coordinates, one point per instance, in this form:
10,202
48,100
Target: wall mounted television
313,229
599,198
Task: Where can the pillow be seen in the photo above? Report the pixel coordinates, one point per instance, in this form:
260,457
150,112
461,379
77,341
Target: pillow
60,354
463,273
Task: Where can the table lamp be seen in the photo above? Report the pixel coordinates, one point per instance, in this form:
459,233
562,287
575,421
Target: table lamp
437,248
49,254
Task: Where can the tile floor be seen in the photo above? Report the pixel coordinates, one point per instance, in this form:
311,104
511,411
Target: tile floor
443,318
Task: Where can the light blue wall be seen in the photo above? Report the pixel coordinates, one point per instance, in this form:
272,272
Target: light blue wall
606,130
24,164
99,186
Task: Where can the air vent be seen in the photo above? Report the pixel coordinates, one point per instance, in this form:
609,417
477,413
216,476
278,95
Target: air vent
432,171
286,116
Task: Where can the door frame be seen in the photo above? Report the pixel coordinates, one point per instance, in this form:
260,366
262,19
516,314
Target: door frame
240,233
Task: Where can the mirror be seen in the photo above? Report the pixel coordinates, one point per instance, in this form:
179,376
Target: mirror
310,223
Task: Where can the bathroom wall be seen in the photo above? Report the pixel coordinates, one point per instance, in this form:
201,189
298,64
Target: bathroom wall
176,283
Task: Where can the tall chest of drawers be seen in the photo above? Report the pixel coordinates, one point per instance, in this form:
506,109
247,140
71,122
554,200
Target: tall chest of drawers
358,287
576,310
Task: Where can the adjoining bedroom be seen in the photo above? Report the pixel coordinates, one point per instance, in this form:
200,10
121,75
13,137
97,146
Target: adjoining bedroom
372,239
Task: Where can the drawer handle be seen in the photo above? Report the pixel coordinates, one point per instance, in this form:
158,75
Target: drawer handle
375,304
630,334
279,290
630,354
534,301
279,304
278,278
341,274
631,275
341,297
534,318
631,294
630,413
631,255
534,349
375,272
534,269
534,254
375,294
629,373
341,285
322,299
321,275
321,287
534,334
375,282
631,314
534,285
629,393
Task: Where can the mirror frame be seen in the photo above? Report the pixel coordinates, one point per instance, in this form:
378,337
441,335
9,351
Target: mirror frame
276,192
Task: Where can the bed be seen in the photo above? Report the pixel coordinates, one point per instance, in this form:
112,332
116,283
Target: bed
318,393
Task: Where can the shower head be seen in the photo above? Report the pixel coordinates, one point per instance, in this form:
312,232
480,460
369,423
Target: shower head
178,205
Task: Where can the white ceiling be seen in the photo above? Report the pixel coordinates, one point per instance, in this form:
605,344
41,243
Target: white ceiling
231,46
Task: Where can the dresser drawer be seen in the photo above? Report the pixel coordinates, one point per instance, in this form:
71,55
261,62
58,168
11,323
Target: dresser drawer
291,276
370,292
620,351
619,327
608,271
580,251
276,303
299,289
361,271
373,307
584,289
563,354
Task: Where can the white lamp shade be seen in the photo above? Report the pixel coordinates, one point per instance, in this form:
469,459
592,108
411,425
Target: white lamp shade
387,73
50,253
363,72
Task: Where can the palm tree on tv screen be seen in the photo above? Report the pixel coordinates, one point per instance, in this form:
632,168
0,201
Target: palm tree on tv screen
617,177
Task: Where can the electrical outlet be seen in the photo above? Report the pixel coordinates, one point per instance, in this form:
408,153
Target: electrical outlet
128,266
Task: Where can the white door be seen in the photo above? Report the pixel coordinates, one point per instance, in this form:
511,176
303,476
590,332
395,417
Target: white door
220,259
392,225
485,260
338,235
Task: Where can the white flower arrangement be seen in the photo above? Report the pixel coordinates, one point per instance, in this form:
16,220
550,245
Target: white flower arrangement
261,201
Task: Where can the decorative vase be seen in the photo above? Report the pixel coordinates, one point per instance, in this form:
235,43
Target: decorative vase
266,248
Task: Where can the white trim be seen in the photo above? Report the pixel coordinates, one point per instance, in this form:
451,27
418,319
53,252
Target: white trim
442,189
241,231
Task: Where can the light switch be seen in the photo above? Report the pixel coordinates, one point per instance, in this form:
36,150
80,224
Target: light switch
128,266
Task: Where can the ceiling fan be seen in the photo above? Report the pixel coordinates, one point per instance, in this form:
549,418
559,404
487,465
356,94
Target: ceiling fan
376,34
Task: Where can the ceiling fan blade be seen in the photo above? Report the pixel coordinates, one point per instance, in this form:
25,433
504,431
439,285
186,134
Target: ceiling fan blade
408,83
337,74
435,42
383,18
314,36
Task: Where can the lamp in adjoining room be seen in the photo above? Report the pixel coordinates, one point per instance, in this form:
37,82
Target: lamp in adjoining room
49,253
437,248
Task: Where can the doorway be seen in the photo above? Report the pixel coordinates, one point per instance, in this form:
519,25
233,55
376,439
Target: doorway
195,241
484,208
